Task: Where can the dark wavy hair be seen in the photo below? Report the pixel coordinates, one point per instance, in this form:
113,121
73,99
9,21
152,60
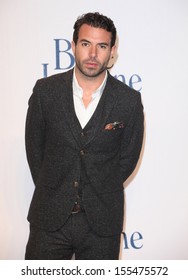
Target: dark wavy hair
95,20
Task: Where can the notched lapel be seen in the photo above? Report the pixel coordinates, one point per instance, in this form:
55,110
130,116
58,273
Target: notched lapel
104,107
68,106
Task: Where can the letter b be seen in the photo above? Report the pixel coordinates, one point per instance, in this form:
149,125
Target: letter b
66,52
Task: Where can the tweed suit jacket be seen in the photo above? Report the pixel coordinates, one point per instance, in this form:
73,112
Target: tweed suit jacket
57,148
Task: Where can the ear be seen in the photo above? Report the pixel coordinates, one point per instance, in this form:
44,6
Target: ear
73,47
113,50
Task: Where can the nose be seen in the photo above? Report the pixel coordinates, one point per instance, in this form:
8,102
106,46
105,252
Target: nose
93,51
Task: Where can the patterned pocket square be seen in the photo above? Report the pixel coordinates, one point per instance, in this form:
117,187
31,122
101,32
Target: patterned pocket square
114,125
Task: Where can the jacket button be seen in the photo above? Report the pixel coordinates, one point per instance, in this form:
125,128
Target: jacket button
75,184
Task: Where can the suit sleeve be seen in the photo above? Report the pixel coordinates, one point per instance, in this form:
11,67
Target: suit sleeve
132,140
35,134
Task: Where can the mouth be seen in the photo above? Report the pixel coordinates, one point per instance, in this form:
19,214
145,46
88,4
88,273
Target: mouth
91,64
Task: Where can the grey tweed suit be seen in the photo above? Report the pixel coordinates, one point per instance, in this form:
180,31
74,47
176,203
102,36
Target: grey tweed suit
58,150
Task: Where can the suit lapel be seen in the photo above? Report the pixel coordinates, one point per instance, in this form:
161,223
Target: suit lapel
104,107
68,105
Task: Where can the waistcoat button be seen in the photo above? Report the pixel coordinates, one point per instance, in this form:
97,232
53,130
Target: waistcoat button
75,184
82,152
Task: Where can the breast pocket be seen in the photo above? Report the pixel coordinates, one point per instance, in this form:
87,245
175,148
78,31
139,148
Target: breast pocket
108,140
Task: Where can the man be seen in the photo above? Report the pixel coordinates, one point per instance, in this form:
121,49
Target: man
84,132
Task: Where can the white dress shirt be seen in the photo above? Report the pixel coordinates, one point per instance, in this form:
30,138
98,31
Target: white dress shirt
85,113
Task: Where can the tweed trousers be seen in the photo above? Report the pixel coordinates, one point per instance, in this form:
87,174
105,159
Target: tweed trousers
74,239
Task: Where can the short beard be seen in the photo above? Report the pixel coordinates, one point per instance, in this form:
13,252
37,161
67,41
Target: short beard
92,75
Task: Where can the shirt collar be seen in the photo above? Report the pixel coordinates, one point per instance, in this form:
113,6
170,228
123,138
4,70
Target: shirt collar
77,90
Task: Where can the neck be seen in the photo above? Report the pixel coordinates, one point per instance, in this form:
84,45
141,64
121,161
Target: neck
89,84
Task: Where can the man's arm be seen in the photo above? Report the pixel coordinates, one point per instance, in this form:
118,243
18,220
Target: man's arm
34,134
132,140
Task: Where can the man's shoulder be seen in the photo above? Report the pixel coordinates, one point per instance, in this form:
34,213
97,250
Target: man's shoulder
54,86
55,79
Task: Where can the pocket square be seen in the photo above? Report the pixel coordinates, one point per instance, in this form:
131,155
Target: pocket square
114,125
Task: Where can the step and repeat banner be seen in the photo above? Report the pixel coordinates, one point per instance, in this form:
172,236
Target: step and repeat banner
152,57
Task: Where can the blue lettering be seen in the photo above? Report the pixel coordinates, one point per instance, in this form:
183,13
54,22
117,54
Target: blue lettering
66,51
125,240
136,236
135,79
45,73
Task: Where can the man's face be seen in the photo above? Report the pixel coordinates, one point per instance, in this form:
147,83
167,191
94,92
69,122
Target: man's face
93,50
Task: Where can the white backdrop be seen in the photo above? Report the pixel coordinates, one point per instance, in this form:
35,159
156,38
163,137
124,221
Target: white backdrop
153,44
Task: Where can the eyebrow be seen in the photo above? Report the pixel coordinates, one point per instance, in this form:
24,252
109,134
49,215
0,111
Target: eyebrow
102,43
